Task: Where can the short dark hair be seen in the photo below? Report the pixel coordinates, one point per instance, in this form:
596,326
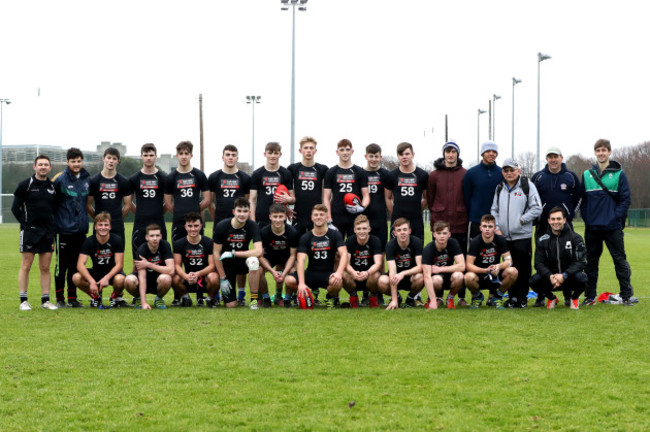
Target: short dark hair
440,225
273,147
42,156
557,209
344,143
401,221
103,216
148,147
402,147
488,218
319,207
373,149
152,227
603,143
73,153
193,216
229,147
277,208
113,152
241,202
185,146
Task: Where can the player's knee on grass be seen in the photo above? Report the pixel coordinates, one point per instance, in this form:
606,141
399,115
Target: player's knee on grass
291,284
471,282
164,281
131,285
384,284
437,283
417,281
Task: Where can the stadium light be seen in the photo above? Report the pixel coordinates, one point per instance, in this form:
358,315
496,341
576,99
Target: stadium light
478,136
515,81
540,58
2,102
253,100
495,98
302,6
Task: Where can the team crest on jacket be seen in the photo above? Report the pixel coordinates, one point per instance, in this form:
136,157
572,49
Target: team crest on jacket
568,245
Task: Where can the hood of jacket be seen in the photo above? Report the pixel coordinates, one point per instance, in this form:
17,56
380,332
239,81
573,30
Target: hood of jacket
439,164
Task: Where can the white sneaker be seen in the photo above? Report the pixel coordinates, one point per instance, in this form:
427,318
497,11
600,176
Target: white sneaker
48,305
25,306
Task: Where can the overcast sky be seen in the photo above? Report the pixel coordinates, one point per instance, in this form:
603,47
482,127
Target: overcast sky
368,70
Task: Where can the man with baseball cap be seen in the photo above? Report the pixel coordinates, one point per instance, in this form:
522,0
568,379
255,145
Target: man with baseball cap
557,187
515,206
479,185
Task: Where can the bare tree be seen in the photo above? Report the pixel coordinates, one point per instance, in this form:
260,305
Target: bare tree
389,162
578,164
527,163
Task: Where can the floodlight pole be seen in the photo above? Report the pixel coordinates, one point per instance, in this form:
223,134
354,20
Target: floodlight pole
478,135
540,58
253,100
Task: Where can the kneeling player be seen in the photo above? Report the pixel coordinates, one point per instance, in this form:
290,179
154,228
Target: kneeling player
194,253
106,251
484,267
404,259
320,245
280,244
232,256
365,263
153,271
443,265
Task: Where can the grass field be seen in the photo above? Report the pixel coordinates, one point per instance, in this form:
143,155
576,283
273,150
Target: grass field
277,369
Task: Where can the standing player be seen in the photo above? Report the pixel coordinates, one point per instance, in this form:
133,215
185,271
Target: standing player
153,270
341,179
320,246
110,192
404,260
484,267
226,185
406,190
194,263
148,187
365,264
443,265
264,182
231,240
280,244
106,252
71,220
33,208
308,184
186,190
376,209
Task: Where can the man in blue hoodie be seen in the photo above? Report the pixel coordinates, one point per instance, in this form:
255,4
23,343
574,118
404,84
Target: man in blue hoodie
605,201
71,222
557,187
479,185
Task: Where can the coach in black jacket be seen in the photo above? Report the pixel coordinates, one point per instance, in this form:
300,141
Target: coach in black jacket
559,261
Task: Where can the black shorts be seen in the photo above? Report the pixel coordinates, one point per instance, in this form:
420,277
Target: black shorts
152,282
381,232
485,283
140,230
345,225
314,279
193,288
274,261
97,275
405,284
36,241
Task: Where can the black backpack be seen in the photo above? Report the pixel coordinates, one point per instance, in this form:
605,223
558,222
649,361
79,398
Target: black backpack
525,186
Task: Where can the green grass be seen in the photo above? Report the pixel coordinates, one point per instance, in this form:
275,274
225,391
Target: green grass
277,369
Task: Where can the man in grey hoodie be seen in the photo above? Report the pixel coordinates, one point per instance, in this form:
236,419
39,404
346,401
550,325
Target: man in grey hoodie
515,206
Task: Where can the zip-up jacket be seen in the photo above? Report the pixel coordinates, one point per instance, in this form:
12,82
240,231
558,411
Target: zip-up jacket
514,212
445,195
563,253
599,210
70,216
479,184
561,189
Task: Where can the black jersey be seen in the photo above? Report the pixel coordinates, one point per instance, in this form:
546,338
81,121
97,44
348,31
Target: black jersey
308,189
487,254
404,258
159,257
33,204
149,194
186,189
321,250
265,182
277,248
226,189
444,258
376,210
194,256
407,191
236,239
108,194
342,181
103,254
363,257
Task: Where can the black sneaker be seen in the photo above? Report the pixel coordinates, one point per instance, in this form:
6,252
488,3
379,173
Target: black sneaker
266,302
74,303
176,303
60,304
567,301
365,301
380,300
187,301
199,301
627,302
540,302
490,302
212,303
95,303
288,304
119,302
588,302
241,302
409,303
